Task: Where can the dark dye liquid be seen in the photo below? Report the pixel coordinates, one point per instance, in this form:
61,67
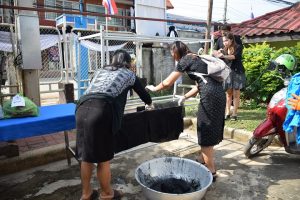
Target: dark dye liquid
175,186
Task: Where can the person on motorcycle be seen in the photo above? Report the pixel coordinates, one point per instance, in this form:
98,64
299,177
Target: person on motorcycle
280,115
289,62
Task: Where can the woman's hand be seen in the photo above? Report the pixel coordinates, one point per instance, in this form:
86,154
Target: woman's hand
149,107
221,51
181,100
218,54
294,102
152,88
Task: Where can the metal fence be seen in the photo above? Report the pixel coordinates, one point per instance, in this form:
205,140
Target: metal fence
88,50
74,57
53,69
8,71
87,54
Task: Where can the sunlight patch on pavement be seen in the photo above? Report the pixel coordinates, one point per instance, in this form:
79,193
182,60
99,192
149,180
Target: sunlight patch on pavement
225,173
252,162
232,155
290,190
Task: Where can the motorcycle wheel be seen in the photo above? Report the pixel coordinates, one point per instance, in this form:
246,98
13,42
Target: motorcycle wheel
256,145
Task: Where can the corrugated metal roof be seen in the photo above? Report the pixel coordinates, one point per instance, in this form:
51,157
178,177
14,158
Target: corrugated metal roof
280,21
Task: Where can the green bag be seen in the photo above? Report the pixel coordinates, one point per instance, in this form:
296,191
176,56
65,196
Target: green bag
30,109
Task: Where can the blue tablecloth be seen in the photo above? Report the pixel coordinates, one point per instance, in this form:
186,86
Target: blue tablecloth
51,119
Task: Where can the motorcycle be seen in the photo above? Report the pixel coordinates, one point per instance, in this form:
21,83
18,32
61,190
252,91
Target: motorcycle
272,126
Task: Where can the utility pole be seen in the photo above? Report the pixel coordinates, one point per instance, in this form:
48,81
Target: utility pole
225,12
208,27
30,50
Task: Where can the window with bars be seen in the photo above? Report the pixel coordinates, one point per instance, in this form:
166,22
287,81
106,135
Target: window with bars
71,5
113,21
60,5
5,14
96,9
50,4
117,21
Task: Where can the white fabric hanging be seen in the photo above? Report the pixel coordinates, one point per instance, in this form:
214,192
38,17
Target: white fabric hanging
46,40
97,47
49,40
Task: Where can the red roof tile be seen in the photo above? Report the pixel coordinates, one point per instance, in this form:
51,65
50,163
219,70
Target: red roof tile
280,21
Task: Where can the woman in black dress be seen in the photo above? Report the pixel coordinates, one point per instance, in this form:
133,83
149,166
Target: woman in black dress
211,110
232,53
98,117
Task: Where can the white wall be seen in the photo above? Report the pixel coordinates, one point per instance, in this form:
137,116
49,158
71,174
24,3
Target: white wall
150,9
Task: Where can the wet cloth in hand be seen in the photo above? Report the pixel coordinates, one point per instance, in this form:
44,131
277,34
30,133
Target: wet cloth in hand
292,118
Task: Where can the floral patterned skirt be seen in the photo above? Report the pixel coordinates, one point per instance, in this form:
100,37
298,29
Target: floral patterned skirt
235,81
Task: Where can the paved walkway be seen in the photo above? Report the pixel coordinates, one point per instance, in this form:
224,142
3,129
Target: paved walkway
33,143
264,177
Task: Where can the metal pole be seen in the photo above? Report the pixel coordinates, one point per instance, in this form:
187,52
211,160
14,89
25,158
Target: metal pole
208,27
106,41
102,46
78,66
81,6
212,42
225,12
66,59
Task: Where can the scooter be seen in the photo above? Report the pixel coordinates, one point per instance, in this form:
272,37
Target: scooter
264,134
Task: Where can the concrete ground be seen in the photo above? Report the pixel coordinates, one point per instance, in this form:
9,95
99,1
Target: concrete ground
272,175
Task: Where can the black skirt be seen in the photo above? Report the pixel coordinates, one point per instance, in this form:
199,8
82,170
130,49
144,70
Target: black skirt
94,139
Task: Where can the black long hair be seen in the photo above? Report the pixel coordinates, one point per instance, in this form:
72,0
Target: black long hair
121,58
179,49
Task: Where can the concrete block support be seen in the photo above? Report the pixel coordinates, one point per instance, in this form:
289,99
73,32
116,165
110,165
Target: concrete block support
67,95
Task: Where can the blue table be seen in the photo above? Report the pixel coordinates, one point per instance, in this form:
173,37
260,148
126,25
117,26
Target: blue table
52,119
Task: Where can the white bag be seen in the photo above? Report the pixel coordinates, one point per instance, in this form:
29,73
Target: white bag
216,68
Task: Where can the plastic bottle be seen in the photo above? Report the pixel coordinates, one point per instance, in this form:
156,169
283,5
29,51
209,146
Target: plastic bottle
1,112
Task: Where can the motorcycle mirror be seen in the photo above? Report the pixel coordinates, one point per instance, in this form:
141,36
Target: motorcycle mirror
200,51
272,65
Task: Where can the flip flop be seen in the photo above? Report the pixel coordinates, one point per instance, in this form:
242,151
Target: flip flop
93,196
117,194
200,161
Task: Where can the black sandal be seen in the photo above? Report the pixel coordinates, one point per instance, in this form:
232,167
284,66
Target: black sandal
233,118
93,196
117,194
214,174
227,117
